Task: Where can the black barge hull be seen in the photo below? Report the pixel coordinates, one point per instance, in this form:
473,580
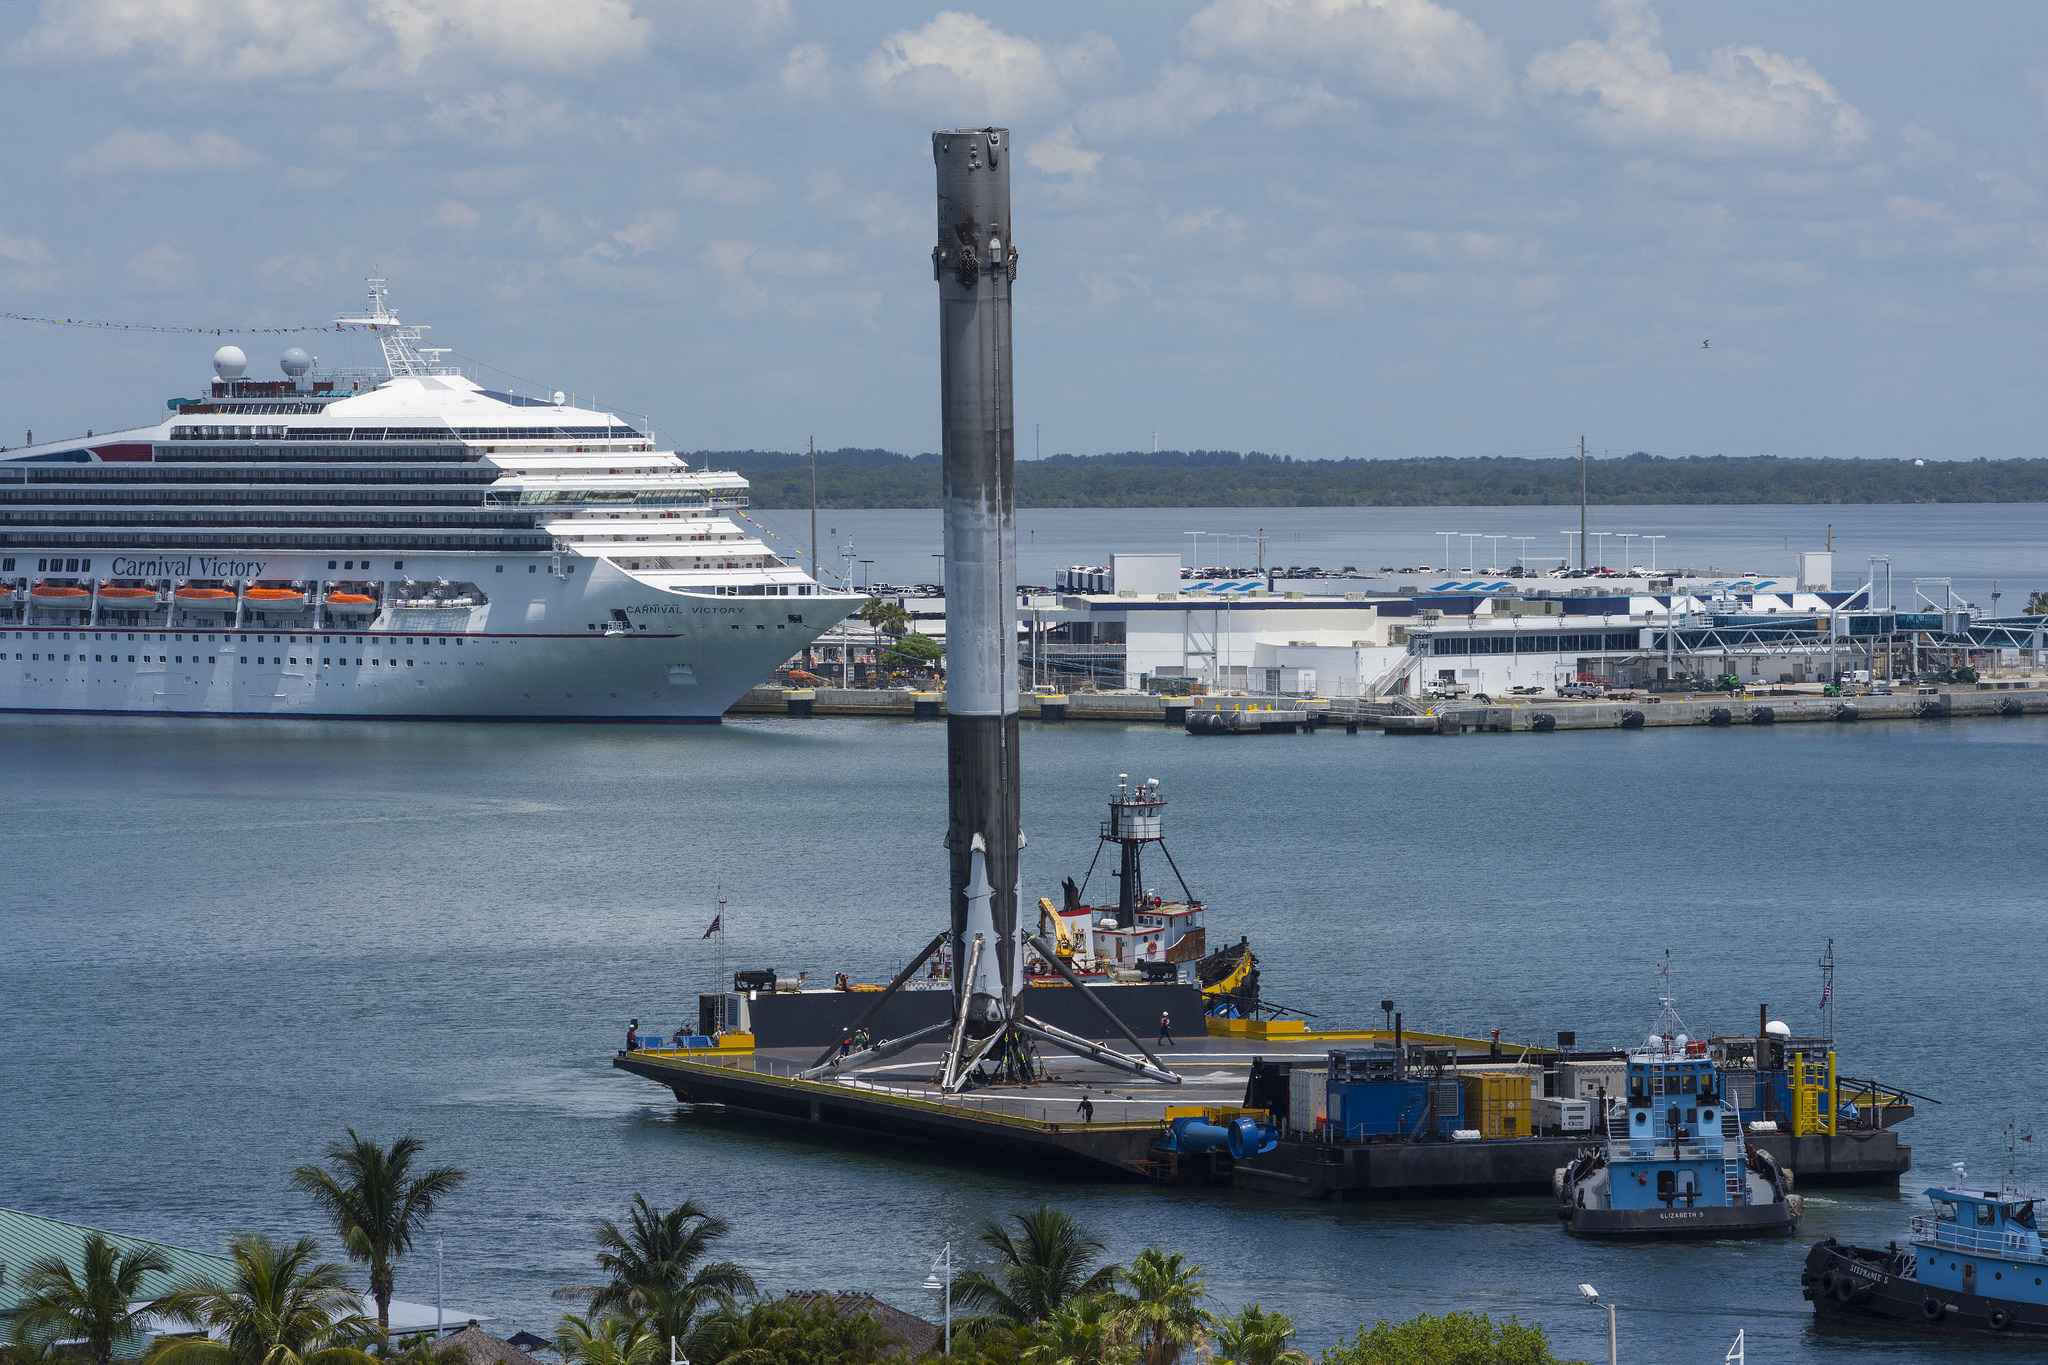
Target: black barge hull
1646,1225
1865,1285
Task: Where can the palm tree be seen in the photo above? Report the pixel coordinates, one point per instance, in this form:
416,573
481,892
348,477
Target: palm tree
281,1306
888,617
1256,1336
1162,1315
754,1335
94,1306
1048,1261
610,1341
1083,1332
376,1203
658,1267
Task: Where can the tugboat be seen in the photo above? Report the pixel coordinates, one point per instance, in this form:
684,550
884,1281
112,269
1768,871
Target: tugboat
1675,1164
1973,1266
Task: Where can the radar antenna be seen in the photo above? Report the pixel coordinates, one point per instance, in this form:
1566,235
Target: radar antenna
403,354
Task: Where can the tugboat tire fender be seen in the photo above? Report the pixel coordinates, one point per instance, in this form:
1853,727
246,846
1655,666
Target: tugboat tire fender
1829,1282
1931,1308
1847,1289
1999,1319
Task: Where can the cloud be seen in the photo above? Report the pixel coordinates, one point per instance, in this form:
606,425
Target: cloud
732,189
1743,101
1057,155
23,251
513,114
164,266
1179,102
1394,49
369,41
648,231
454,215
960,69
128,150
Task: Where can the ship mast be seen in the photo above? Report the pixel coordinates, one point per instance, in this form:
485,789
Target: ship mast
403,354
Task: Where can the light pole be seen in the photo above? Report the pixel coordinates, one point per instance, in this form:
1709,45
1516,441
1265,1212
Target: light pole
1599,547
1494,567
1523,558
1568,546
1625,537
944,1261
1447,548
440,1309
1472,539
1653,551
1593,1298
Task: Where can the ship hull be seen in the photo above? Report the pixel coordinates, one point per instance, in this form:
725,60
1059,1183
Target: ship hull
1860,1284
1744,1220
548,645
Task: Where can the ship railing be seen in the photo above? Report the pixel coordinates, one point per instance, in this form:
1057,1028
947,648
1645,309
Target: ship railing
1948,1233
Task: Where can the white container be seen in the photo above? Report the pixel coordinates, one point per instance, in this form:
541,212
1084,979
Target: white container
1465,1135
1308,1097
1583,1080
1553,1115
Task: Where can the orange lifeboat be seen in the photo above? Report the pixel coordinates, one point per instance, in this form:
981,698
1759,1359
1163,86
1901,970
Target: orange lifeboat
351,604
204,599
59,595
275,599
127,599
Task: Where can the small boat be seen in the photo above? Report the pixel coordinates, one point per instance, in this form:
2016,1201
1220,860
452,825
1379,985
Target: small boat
204,599
123,598
1972,1266
275,599
351,604
1675,1163
59,595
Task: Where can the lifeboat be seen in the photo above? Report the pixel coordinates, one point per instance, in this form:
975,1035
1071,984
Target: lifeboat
59,595
351,604
204,599
127,599
275,599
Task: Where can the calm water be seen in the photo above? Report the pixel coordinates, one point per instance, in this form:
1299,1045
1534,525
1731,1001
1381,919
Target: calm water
1978,546
222,943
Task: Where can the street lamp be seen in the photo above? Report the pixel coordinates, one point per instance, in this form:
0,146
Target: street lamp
944,1261
1593,1297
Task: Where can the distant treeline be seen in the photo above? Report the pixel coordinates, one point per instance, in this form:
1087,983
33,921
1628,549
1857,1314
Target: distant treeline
1227,478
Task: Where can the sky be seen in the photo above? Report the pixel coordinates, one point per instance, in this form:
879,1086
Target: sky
1320,228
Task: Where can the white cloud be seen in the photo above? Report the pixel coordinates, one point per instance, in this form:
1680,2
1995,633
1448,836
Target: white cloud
164,266
1743,100
1179,102
23,250
807,72
129,150
648,231
454,215
1057,155
1398,49
961,70
513,114
733,189
369,41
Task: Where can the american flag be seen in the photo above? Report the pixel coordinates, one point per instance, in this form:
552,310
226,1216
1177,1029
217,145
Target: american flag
1827,993
717,924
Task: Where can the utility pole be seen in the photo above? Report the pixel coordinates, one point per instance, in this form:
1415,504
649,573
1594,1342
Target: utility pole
814,507
1582,502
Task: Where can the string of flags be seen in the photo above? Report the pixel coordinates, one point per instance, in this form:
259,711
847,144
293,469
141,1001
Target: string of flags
200,331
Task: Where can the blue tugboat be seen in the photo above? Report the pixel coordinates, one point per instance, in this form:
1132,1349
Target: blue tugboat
1973,1266
1675,1164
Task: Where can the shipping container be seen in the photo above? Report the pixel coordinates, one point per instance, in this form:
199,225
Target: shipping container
1583,1080
1562,1116
1497,1103
1307,1098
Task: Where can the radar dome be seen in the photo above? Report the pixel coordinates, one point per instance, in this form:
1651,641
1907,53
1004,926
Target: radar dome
560,398
295,361
229,362
1778,1028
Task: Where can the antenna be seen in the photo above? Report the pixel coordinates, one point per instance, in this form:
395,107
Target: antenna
1827,994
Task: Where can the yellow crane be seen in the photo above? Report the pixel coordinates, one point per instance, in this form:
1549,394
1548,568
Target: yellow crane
1063,937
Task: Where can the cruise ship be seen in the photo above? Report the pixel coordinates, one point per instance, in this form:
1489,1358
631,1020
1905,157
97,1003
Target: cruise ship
400,543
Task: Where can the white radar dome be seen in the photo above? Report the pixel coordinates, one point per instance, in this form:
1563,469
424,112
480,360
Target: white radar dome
295,361
1778,1028
560,398
229,362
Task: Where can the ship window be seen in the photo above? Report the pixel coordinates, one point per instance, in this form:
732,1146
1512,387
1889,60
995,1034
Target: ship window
1987,1214
1691,1082
533,568
501,568
330,563
397,563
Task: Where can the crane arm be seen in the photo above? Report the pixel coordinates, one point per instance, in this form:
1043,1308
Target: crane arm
1063,936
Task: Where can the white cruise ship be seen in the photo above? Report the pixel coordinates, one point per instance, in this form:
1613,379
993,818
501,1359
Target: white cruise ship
401,544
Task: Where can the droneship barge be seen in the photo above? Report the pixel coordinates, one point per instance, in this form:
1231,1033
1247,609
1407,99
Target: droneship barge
1262,1102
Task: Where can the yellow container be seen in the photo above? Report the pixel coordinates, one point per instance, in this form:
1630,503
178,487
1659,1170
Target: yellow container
1497,1103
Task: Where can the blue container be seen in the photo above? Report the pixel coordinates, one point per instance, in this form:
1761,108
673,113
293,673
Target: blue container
1369,1109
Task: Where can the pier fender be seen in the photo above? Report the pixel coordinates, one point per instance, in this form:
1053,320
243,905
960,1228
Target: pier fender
1720,715
2011,706
1544,723
1932,709
1763,715
1631,719
1848,711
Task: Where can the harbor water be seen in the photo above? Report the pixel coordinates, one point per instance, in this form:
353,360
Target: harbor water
221,943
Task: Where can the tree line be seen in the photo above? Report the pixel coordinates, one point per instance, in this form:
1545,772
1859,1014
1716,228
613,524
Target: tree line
1210,478
1040,1292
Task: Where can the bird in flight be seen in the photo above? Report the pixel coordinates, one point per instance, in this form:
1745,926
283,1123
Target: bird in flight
1706,346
